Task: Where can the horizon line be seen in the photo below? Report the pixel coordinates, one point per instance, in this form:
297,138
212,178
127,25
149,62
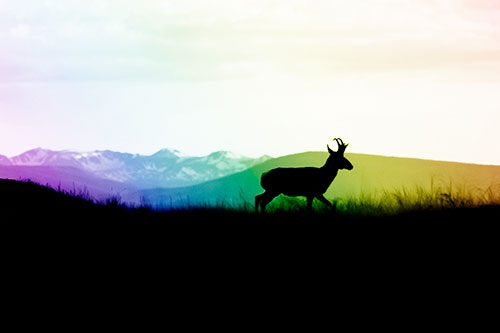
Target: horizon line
180,153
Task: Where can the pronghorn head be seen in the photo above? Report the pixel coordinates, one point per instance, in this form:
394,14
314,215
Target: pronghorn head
336,160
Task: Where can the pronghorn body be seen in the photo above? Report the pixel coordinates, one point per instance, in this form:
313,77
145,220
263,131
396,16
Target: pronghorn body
308,182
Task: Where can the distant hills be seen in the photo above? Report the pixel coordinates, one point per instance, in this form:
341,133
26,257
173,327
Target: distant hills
372,175
168,178
105,173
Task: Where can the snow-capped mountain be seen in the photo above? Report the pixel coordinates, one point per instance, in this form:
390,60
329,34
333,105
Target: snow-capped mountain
4,160
165,168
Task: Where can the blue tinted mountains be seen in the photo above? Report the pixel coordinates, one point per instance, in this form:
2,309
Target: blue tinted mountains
109,173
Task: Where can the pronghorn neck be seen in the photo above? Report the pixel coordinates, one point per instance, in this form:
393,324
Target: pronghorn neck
330,167
329,171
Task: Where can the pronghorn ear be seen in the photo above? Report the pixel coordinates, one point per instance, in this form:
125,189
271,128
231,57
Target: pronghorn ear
329,150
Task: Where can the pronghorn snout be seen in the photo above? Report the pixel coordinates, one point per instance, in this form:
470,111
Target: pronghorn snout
348,165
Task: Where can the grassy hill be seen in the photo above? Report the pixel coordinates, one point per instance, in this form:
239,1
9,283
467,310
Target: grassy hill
69,179
372,177
25,200
50,231
378,186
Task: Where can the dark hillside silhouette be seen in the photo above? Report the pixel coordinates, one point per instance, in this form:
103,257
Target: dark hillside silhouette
44,225
31,202
25,199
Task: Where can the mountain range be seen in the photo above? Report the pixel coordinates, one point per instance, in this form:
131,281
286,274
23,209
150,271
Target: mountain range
105,173
168,178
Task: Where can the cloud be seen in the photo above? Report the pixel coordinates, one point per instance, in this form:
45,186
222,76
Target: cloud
199,40
20,31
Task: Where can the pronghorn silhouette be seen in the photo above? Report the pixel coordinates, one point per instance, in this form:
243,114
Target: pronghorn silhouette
308,182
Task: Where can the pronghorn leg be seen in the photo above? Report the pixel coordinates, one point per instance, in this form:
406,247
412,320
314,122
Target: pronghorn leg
310,203
263,199
325,201
258,199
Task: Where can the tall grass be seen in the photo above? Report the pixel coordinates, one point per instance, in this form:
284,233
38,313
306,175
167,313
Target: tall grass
393,202
435,198
386,203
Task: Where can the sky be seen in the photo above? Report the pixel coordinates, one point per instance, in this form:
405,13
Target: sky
409,78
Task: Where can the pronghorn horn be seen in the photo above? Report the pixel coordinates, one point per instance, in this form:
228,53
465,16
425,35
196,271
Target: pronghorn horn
341,144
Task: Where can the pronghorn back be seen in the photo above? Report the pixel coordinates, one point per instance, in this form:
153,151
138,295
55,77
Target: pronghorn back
295,181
